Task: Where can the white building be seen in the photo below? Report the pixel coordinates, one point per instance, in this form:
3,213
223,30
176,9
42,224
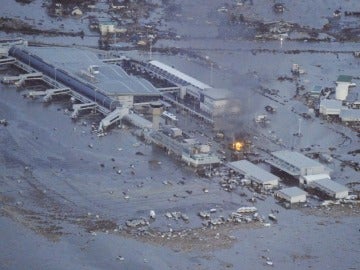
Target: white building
342,87
254,173
292,195
330,188
330,107
106,27
308,179
296,164
350,115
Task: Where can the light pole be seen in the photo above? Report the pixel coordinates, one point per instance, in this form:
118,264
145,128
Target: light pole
55,75
150,53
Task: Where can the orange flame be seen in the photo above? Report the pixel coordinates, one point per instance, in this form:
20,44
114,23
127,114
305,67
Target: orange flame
237,146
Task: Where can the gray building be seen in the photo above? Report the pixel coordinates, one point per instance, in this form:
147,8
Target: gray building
296,164
330,188
254,173
292,195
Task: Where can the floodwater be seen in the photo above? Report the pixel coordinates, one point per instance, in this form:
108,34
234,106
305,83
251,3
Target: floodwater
56,176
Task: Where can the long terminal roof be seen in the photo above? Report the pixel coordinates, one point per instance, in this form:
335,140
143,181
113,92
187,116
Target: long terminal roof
112,79
180,75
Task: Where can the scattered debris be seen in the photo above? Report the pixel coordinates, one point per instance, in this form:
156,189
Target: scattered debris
4,122
152,214
272,217
137,223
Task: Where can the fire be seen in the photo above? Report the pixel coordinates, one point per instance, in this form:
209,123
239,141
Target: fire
237,146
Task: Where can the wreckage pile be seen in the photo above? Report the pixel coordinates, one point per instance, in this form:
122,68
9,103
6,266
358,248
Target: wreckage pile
245,214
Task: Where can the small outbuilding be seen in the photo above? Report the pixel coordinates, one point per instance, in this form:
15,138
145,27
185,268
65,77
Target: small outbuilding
106,27
292,195
255,174
343,83
316,91
330,188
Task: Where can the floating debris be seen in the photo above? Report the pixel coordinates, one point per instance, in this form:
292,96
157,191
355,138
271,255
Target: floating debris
272,217
152,214
4,122
204,214
247,209
120,258
137,223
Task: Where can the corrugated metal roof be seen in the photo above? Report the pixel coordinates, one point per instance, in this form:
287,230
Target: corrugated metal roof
180,75
331,104
293,192
350,115
330,185
296,159
251,170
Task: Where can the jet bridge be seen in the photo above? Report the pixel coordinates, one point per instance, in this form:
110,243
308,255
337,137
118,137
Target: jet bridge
113,117
7,60
81,107
19,80
55,92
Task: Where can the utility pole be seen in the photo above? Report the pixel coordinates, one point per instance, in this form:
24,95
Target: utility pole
150,52
299,130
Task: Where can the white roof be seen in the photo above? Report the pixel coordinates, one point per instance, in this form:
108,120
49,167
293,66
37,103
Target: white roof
314,177
350,115
112,79
180,75
252,171
331,103
293,192
329,185
296,159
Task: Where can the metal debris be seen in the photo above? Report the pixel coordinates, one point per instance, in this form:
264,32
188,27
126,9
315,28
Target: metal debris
137,223
152,214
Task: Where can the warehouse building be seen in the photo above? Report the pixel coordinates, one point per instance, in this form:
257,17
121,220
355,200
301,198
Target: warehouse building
350,115
308,179
292,195
330,107
296,164
254,173
330,188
